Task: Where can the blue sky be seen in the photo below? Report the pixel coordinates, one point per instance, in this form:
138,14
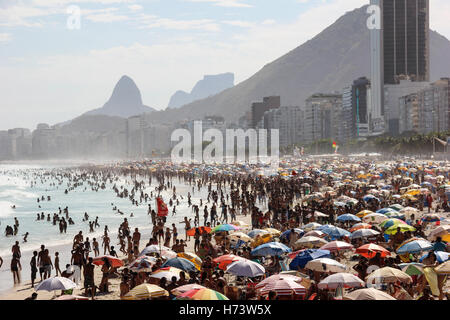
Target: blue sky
51,74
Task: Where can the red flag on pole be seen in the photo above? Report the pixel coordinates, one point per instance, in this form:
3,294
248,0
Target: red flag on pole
163,211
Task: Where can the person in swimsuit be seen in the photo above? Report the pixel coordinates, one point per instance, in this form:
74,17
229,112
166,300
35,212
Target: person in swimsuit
89,278
34,269
15,268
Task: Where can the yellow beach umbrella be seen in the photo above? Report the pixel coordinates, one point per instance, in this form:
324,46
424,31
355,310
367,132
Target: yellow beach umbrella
192,257
145,291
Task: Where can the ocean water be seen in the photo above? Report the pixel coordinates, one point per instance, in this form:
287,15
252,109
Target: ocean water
15,189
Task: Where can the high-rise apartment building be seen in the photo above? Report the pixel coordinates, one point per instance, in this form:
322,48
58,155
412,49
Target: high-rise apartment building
406,40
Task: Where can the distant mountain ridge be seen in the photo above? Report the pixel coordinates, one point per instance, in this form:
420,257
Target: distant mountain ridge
210,85
125,101
328,62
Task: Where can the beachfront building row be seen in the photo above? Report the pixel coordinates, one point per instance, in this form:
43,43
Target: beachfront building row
427,110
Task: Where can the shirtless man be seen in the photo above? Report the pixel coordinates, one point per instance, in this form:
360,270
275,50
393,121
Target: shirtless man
105,244
89,278
136,238
95,245
48,264
34,270
16,250
15,268
40,262
187,226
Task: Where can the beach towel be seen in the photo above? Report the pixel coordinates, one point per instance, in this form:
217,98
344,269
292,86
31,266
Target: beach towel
432,279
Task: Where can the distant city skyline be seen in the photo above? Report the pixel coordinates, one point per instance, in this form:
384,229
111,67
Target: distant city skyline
52,74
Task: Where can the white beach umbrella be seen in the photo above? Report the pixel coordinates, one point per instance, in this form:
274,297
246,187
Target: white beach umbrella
343,280
246,268
56,283
325,265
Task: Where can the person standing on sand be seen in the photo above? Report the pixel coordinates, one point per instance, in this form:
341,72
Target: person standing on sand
15,269
89,278
57,269
95,245
34,270
105,243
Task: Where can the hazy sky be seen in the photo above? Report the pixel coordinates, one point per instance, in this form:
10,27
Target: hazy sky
50,73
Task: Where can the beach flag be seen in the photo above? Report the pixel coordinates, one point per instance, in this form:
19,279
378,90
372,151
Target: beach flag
163,211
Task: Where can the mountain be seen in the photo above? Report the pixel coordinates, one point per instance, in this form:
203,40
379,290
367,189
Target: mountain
210,85
328,62
125,101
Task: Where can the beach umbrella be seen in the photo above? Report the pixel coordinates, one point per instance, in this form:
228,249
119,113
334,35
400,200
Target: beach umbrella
375,218
336,246
391,222
56,283
273,232
348,217
443,268
202,230
370,250
325,265
275,278
144,261
241,224
339,204
341,280
311,226
67,297
396,207
163,251
145,291
431,217
236,236
359,226
287,233
386,210
369,197
309,242
403,228
271,249
415,246
168,273
115,262
412,269
202,295
395,214
439,232
409,211
255,232
180,263
368,294
334,232
186,288
246,268
227,259
388,275
284,287
363,213
315,233
441,256
225,228
364,233
192,257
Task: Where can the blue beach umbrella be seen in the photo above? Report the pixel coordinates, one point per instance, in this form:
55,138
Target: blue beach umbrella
287,233
305,256
180,263
415,246
440,255
386,210
348,217
334,232
271,249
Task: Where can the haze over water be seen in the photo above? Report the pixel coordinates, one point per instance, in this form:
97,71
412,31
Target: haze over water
15,189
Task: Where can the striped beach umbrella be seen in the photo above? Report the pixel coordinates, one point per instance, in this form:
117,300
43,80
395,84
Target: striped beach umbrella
145,291
186,288
336,246
284,287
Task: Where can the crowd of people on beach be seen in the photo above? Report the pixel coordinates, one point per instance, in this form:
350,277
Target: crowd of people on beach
305,208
